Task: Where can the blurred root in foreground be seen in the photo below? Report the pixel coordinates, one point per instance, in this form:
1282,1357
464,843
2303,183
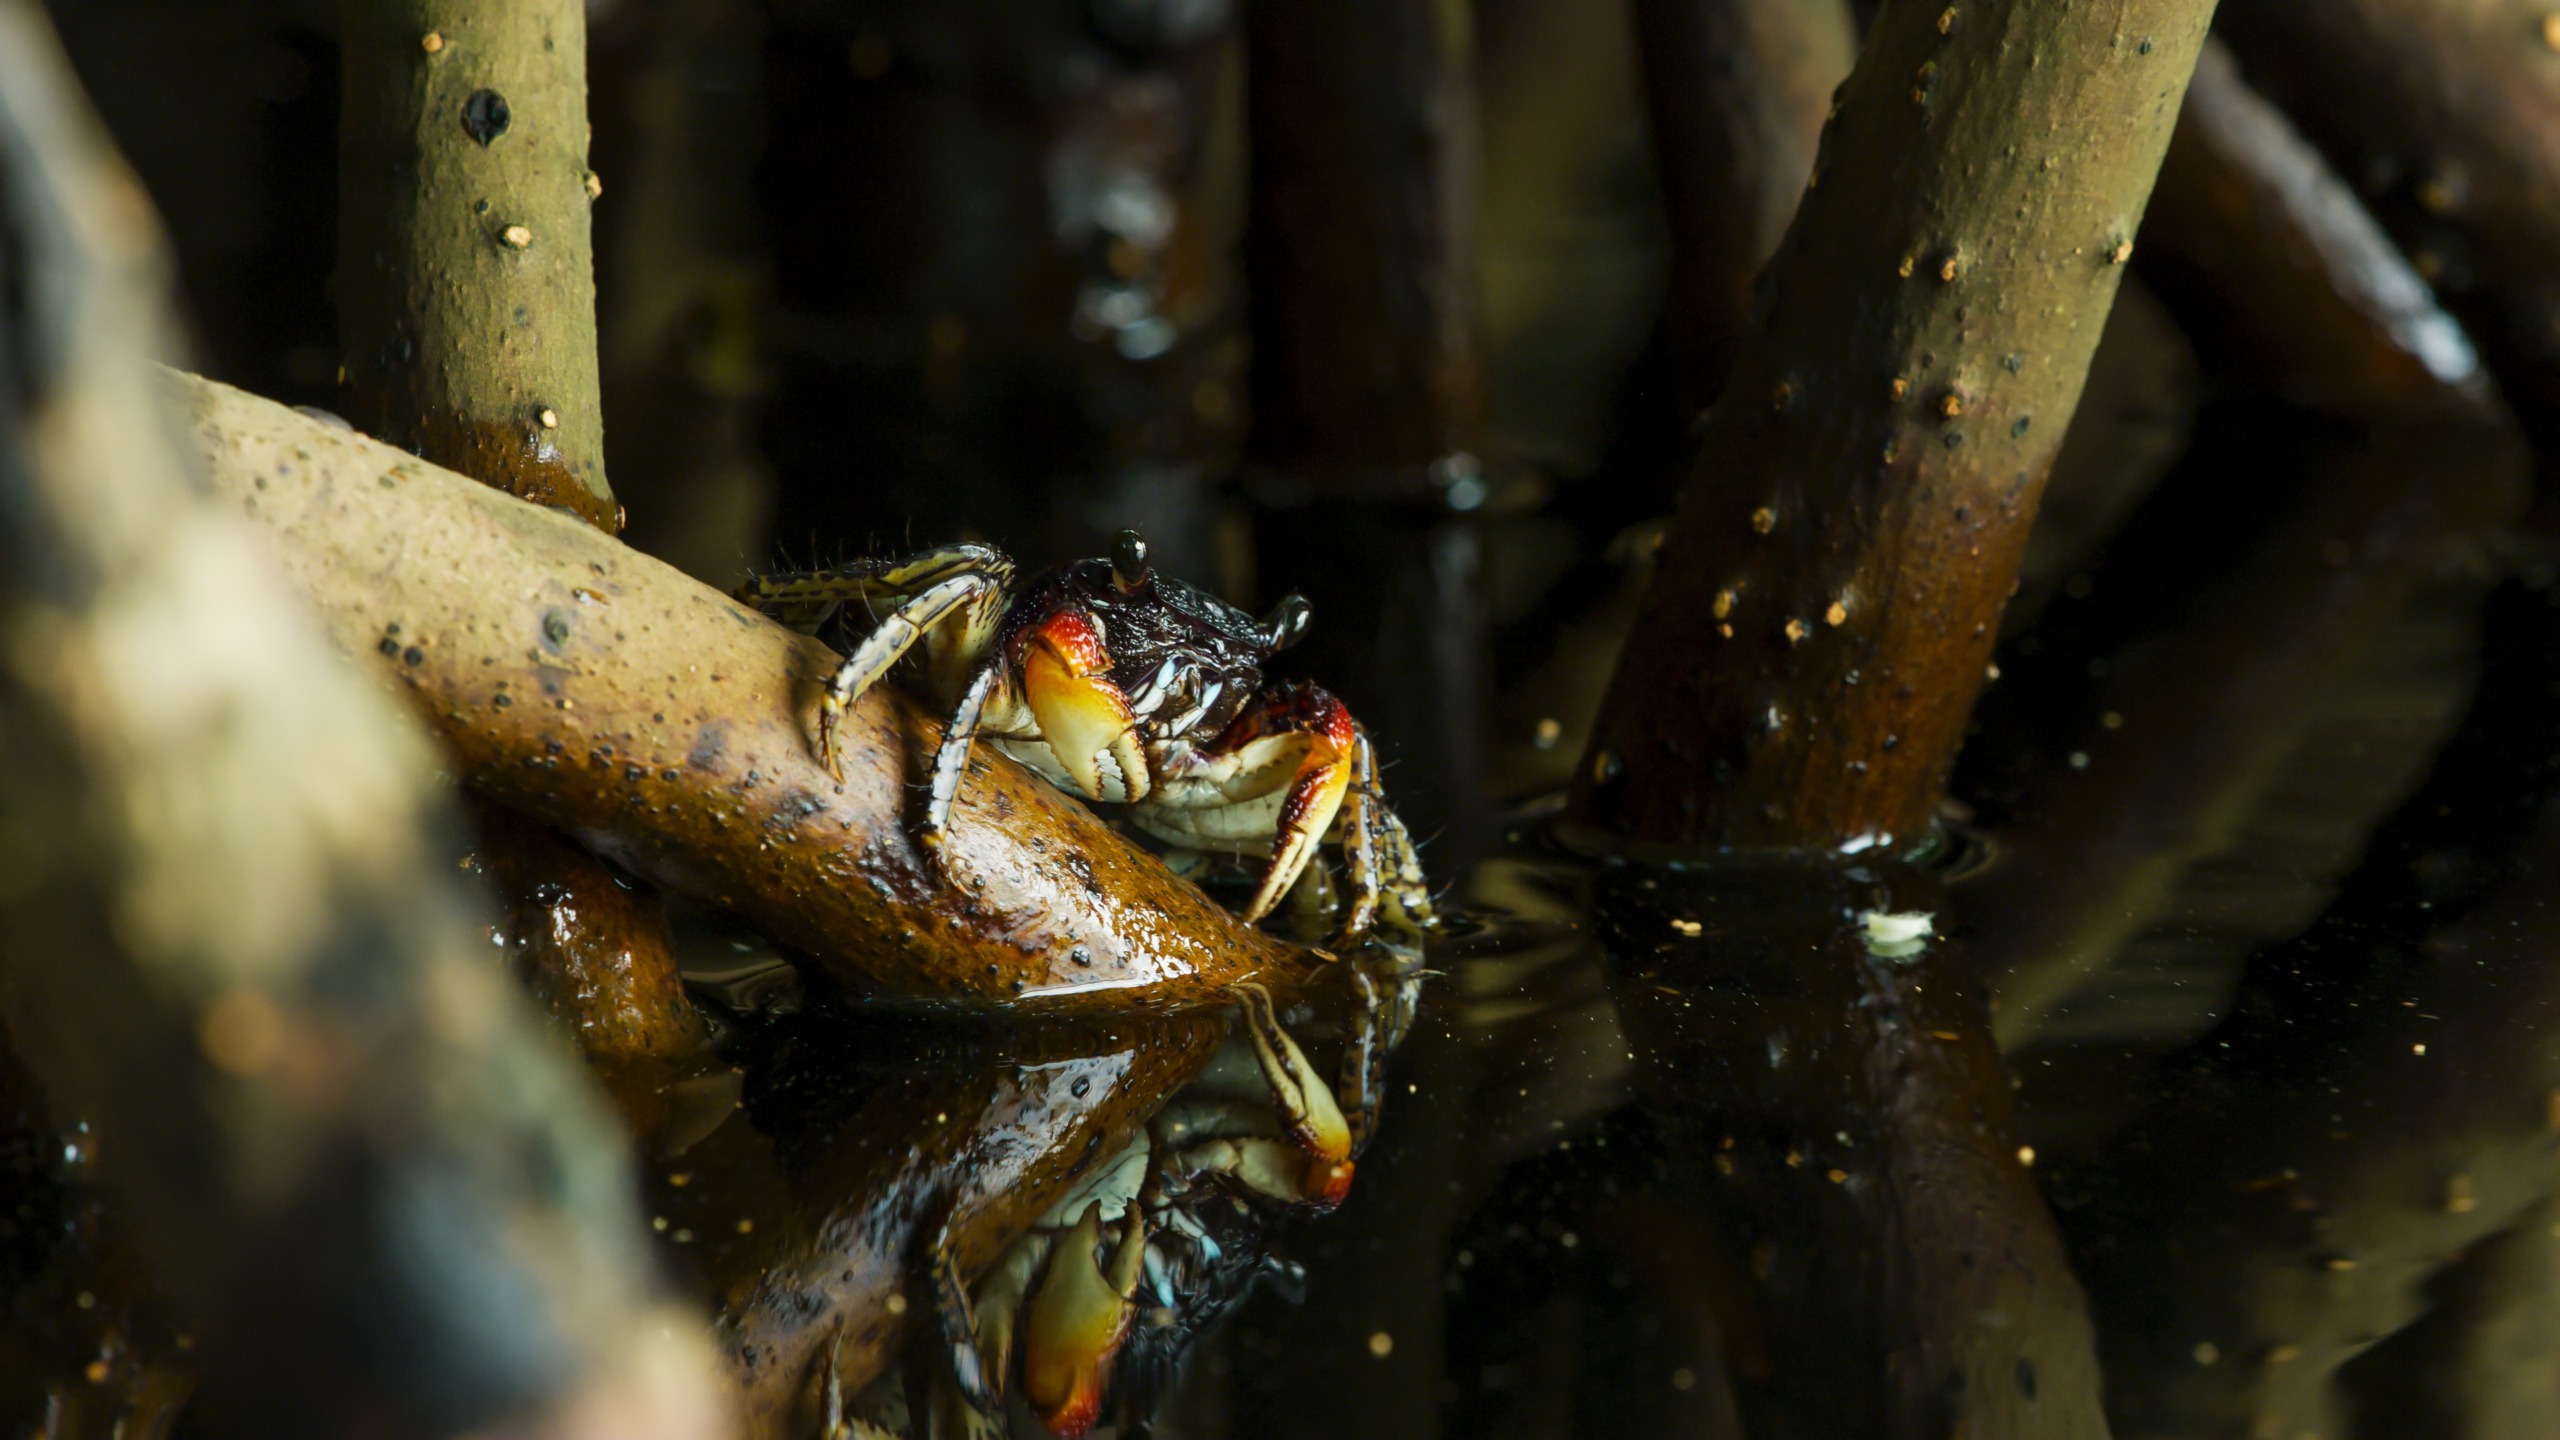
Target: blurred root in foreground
381,1199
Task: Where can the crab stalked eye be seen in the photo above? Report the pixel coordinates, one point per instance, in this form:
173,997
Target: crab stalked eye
1286,625
1128,560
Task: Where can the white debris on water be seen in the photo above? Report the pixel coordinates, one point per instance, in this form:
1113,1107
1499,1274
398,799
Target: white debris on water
1897,935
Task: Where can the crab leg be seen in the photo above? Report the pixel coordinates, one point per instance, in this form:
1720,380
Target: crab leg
1083,716
1315,795
959,1326
1360,837
885,646
1364,1069
1078,1320
806,599
1400,881
1000,1301
951,761
1308,1111
1271,1167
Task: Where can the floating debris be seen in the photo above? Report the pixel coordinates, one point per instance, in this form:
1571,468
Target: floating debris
1897,934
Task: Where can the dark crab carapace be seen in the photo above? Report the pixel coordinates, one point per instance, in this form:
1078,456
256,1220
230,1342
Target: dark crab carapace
1125,686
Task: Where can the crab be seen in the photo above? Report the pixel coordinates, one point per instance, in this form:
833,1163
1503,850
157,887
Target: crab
1126,687
1144,1252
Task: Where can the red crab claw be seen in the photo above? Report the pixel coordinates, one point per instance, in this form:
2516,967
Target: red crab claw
1077,1321
1308,1111
1082,715
1315,794
1276,1168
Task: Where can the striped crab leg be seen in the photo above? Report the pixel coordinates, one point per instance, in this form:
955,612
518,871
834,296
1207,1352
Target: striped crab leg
1385,870
952,598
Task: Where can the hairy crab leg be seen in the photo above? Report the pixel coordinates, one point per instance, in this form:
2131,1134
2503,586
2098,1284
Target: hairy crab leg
1395,879
1407,891
806,599
1360,838
1078,1320
1082,715
1308,1110
795,596
884,647
1364,1066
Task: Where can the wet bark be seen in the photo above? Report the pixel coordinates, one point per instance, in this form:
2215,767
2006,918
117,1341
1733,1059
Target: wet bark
593,948
467,310
1829,594
379,1197
2444,115
1852,1123
669,728
1367,450
1737,91
2270,260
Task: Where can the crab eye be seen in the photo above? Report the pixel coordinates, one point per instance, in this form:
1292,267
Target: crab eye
1287,623
1128,560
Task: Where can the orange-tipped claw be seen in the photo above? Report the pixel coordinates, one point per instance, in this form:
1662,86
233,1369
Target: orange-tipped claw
1328,1182
1308,1111
1275,1168
1082,715
1315,794
1077,1321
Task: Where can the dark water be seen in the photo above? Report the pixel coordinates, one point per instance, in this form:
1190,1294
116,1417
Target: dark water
1741,1149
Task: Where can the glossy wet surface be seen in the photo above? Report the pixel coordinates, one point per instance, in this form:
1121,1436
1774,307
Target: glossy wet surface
1746,1148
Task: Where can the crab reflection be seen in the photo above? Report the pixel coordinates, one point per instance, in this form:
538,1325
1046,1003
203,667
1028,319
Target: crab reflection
933,1230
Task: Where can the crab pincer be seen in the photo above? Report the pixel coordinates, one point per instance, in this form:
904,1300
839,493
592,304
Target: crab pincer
1309,1115
1078,1319
1083,717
